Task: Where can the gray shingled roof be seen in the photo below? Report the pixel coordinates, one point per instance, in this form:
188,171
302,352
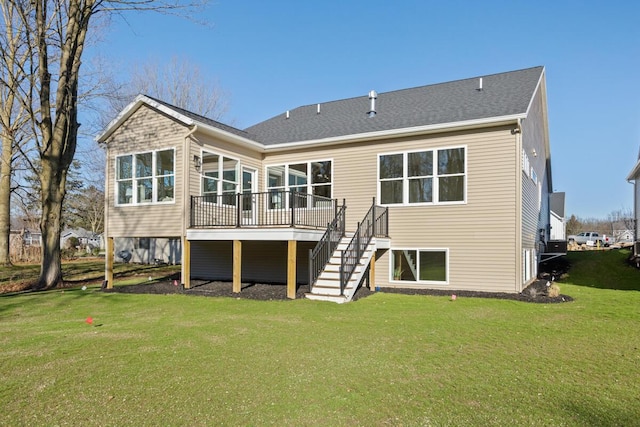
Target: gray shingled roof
203,119
503,94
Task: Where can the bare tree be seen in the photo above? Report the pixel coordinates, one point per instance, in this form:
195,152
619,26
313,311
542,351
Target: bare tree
56,33
178,82
13,74
85,209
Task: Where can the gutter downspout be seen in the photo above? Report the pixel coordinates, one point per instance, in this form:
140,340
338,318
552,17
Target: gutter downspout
518,237
185,270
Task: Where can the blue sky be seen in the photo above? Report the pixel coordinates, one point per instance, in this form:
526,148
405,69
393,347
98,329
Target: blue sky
272,56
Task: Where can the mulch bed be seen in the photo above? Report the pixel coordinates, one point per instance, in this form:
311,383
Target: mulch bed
535,293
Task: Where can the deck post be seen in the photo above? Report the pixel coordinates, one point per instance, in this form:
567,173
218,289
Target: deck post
237,266
186,263
108,268
372,273
291,269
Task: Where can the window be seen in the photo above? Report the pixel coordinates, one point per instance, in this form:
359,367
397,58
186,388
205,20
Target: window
419,265
143,243
432,176
220,178
312,178
526,166
145,177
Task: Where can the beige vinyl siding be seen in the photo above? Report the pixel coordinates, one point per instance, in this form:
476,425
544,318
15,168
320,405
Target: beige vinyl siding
480,234
535,203
262,261
245,156
146,130
636,201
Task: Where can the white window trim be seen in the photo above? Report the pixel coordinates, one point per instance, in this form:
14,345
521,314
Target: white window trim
309,184
154,184
435,176
220,178
526,165
418,250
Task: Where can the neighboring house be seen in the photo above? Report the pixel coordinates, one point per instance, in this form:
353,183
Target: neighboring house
623,236
450,183
85,238
634,177
26,237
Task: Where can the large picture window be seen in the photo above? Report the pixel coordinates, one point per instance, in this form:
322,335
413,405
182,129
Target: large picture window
420,265
431,176
147,177
313,178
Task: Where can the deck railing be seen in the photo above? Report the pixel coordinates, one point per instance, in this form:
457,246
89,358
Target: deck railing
375,223
278,208
320,255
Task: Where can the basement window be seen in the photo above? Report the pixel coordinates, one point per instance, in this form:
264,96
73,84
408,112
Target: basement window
420,265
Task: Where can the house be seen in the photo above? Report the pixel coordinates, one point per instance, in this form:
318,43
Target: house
445,186
634,177
25,244
85,238
27,236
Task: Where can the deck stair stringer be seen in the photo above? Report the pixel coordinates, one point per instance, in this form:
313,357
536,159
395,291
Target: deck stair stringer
327,286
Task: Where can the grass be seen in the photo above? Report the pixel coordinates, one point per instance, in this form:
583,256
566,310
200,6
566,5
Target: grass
387,359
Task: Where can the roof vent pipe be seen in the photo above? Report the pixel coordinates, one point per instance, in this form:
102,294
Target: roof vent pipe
372,97
318,110
480,84
287,114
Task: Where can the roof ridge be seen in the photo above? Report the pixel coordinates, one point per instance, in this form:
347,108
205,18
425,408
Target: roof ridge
420,86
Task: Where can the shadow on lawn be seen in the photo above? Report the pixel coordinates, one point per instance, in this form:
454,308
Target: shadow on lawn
593,413
608,269
78,274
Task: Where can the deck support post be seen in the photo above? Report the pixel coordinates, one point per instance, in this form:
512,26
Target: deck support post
108,268
291,269
186,263
237,266
372,273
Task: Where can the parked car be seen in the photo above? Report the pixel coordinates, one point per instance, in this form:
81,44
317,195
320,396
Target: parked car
590,236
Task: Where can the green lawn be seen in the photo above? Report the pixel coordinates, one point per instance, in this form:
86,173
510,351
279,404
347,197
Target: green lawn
385,360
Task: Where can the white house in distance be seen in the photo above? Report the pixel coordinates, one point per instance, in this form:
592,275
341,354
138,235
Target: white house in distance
634,177
445,186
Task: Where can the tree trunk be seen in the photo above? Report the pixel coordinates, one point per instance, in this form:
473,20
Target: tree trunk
5,201
53,192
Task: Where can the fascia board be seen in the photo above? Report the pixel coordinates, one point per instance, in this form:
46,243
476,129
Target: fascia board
398,133
635,173
542,87
231,137
133,107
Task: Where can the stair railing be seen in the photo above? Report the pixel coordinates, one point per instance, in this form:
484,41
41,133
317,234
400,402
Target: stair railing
320,255
374,223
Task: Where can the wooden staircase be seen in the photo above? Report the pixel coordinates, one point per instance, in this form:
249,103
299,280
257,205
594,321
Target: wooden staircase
327,286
